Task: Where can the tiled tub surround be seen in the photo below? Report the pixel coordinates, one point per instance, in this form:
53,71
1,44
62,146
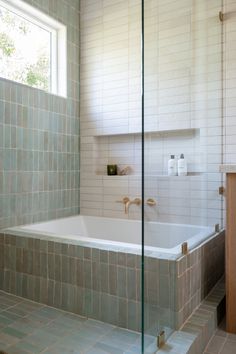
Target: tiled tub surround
102,281
39,138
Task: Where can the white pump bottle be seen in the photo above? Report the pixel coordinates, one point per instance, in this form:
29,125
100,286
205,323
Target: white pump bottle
182,166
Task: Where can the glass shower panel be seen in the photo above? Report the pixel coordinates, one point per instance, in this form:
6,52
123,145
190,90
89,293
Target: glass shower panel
182,115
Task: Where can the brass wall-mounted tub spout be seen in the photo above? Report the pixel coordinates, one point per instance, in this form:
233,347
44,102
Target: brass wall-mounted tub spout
124,201
136,201
127,202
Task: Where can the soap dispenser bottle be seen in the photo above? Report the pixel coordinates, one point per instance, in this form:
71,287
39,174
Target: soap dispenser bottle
182,166
172,167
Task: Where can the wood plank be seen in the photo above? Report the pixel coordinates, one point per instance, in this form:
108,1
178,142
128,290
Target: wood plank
231,253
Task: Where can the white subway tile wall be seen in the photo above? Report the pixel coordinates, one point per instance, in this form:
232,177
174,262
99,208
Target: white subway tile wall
183,106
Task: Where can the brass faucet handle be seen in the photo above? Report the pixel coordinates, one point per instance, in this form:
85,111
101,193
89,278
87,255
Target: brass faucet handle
151,202
124,200
137,201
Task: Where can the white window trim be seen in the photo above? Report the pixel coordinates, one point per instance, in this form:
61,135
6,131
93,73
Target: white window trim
59,41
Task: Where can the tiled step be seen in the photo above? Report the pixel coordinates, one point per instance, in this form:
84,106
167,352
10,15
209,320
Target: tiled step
200,326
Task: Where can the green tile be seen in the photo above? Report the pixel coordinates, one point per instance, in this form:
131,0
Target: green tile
3,345
5,321
16,350
24,326
13,332
95,350
57,329
49,312
27,346
108,348
76,343
10,315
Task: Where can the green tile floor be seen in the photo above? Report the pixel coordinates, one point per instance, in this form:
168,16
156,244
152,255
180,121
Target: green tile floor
27,327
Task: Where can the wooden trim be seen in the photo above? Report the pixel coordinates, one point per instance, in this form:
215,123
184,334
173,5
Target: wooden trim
231,253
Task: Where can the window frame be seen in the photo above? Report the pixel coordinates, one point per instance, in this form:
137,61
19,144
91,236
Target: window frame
58,49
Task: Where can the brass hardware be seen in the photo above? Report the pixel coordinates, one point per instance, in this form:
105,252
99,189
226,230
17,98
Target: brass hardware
136,201
124,200
151,202
127,202
184,248
217,228
221,16
161,339
221,190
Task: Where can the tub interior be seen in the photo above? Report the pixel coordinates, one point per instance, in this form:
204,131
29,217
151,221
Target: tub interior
168,237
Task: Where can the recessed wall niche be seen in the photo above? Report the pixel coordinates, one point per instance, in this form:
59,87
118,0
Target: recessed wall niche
125,150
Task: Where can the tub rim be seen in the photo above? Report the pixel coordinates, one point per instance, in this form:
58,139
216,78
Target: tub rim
115,246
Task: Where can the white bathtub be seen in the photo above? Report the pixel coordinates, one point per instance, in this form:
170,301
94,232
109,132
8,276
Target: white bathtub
159,237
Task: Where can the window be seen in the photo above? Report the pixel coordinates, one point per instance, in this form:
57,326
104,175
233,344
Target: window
32,47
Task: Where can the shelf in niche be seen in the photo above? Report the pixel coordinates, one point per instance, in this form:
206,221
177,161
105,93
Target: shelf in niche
160,132
190,174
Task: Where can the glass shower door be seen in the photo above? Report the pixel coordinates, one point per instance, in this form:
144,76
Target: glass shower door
182,150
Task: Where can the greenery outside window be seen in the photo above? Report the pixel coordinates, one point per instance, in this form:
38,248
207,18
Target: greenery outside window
32,47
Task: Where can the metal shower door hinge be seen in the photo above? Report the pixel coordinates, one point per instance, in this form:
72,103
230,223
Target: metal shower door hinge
161,339
221,190
221,16
184,248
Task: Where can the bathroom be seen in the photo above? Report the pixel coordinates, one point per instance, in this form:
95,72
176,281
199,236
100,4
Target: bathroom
107,243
